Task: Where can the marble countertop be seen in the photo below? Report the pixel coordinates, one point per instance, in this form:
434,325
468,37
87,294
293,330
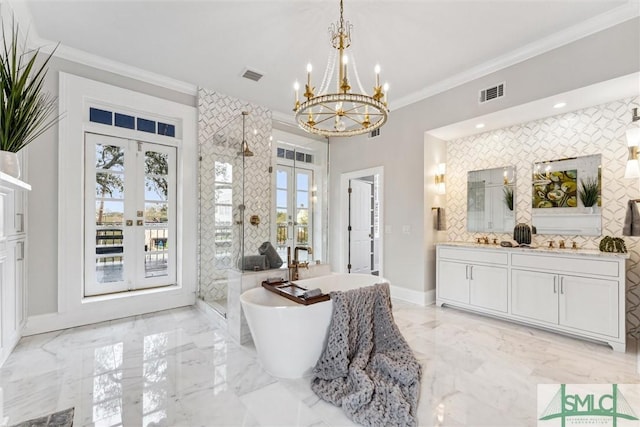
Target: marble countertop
537,249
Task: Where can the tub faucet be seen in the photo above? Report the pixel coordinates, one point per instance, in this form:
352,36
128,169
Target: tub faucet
296,264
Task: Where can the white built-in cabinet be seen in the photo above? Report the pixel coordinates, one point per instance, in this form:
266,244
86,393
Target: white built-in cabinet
483,286
13,239
575,292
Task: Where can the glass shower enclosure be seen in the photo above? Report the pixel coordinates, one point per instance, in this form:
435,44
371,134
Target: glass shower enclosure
224,163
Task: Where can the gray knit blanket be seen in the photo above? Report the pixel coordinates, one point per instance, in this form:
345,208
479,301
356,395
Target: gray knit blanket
367,367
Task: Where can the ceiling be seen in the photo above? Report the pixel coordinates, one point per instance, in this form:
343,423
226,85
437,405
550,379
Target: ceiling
420,45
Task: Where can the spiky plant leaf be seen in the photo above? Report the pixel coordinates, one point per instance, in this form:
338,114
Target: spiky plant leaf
589,191
26,112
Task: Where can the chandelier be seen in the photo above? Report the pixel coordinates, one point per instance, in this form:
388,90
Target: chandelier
338,111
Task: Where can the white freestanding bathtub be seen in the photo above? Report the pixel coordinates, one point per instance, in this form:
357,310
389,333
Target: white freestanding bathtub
289,337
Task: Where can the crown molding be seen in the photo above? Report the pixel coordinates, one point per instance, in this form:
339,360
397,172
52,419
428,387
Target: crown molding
23,15
615,16
88,59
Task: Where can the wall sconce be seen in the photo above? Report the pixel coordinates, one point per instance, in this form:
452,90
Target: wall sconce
440,171
633,141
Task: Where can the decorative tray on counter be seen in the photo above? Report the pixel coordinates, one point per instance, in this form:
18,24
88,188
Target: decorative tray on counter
293,292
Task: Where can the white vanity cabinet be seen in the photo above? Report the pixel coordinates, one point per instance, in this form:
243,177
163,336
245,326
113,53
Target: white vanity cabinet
575,292
473,278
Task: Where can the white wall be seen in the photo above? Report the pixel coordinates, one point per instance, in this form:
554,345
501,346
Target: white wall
401,147
42,221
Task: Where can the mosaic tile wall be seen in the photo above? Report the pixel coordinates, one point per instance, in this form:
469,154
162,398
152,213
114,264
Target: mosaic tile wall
595,130
220,139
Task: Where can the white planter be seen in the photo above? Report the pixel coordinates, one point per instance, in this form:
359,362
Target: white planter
9,164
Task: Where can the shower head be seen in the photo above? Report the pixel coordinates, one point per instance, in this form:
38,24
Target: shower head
245,147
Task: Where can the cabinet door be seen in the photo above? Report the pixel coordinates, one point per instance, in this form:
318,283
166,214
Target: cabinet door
19,276
589,304
488,287
534,295
453,282
10,326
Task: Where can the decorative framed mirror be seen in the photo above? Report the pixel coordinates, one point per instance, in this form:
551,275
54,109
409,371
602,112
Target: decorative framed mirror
491,200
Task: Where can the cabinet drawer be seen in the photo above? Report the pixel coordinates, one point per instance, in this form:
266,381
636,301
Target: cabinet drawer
566,264
480,255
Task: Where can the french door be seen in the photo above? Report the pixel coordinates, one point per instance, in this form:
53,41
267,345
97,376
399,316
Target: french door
294,213
130,215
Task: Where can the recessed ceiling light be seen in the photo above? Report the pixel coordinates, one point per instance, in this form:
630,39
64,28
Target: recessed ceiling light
560,105
479,125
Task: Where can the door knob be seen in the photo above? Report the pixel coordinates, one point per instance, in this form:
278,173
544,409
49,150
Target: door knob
129,222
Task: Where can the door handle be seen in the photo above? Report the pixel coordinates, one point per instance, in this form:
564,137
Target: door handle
562,285
554,284
471,272
466,272
21,256
129,222
21,222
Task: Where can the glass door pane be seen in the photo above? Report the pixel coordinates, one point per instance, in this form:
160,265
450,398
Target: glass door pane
156,209
303,211
105,236
283,217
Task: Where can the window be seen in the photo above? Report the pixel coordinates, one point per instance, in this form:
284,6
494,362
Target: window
223,215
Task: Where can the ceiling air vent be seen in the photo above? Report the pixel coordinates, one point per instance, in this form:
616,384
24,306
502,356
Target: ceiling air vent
251,74
374,133
492,93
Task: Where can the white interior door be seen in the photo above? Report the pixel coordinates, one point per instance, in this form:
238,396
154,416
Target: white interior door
361,227
130,215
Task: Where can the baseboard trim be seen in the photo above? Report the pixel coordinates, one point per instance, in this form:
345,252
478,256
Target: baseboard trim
50,322
415,297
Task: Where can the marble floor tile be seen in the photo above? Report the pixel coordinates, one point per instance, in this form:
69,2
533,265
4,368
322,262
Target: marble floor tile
178,368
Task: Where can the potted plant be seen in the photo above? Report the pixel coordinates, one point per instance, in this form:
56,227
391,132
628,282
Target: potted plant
26,111
589,191
508,197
